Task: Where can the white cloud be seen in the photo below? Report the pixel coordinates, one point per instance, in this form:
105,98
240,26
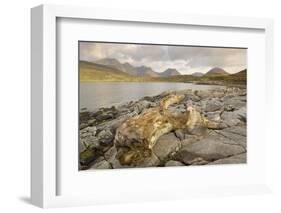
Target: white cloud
185,59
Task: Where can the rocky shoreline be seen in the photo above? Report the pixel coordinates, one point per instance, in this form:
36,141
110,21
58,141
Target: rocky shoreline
179,147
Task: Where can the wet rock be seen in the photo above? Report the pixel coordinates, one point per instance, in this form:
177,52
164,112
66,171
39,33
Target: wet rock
236,159
166,146
174,163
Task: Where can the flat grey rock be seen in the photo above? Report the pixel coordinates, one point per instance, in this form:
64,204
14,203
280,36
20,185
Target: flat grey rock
233,136
101,165
237,101
213,105
174,163
230,118
166,145
150,161
210,148
236,159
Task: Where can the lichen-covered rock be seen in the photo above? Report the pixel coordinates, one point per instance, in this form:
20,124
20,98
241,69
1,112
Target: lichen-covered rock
136,136
87,156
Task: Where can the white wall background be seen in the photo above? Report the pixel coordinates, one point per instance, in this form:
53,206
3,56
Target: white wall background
15,104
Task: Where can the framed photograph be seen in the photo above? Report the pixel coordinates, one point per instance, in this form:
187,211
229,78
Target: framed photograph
129,106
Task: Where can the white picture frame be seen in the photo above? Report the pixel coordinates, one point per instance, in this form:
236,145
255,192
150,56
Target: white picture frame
44,149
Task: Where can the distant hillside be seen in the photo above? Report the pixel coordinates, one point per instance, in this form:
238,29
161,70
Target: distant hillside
95,72
234,79
114,63
146,71
197,74
240,76
216,72
169,72
142,71
242,73
128,68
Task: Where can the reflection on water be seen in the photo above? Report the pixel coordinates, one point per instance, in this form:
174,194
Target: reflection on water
105,94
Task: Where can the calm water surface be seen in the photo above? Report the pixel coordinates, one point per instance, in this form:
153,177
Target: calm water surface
106,94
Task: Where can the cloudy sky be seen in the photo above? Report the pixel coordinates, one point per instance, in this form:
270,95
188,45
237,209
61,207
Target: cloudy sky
185,59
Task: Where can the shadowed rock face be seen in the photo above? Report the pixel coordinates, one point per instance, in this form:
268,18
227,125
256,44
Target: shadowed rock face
136,137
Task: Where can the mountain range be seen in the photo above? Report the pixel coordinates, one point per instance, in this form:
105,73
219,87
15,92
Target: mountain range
143,71
216,71
110,69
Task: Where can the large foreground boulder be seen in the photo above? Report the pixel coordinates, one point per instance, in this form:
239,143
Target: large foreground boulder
210,148
136,137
